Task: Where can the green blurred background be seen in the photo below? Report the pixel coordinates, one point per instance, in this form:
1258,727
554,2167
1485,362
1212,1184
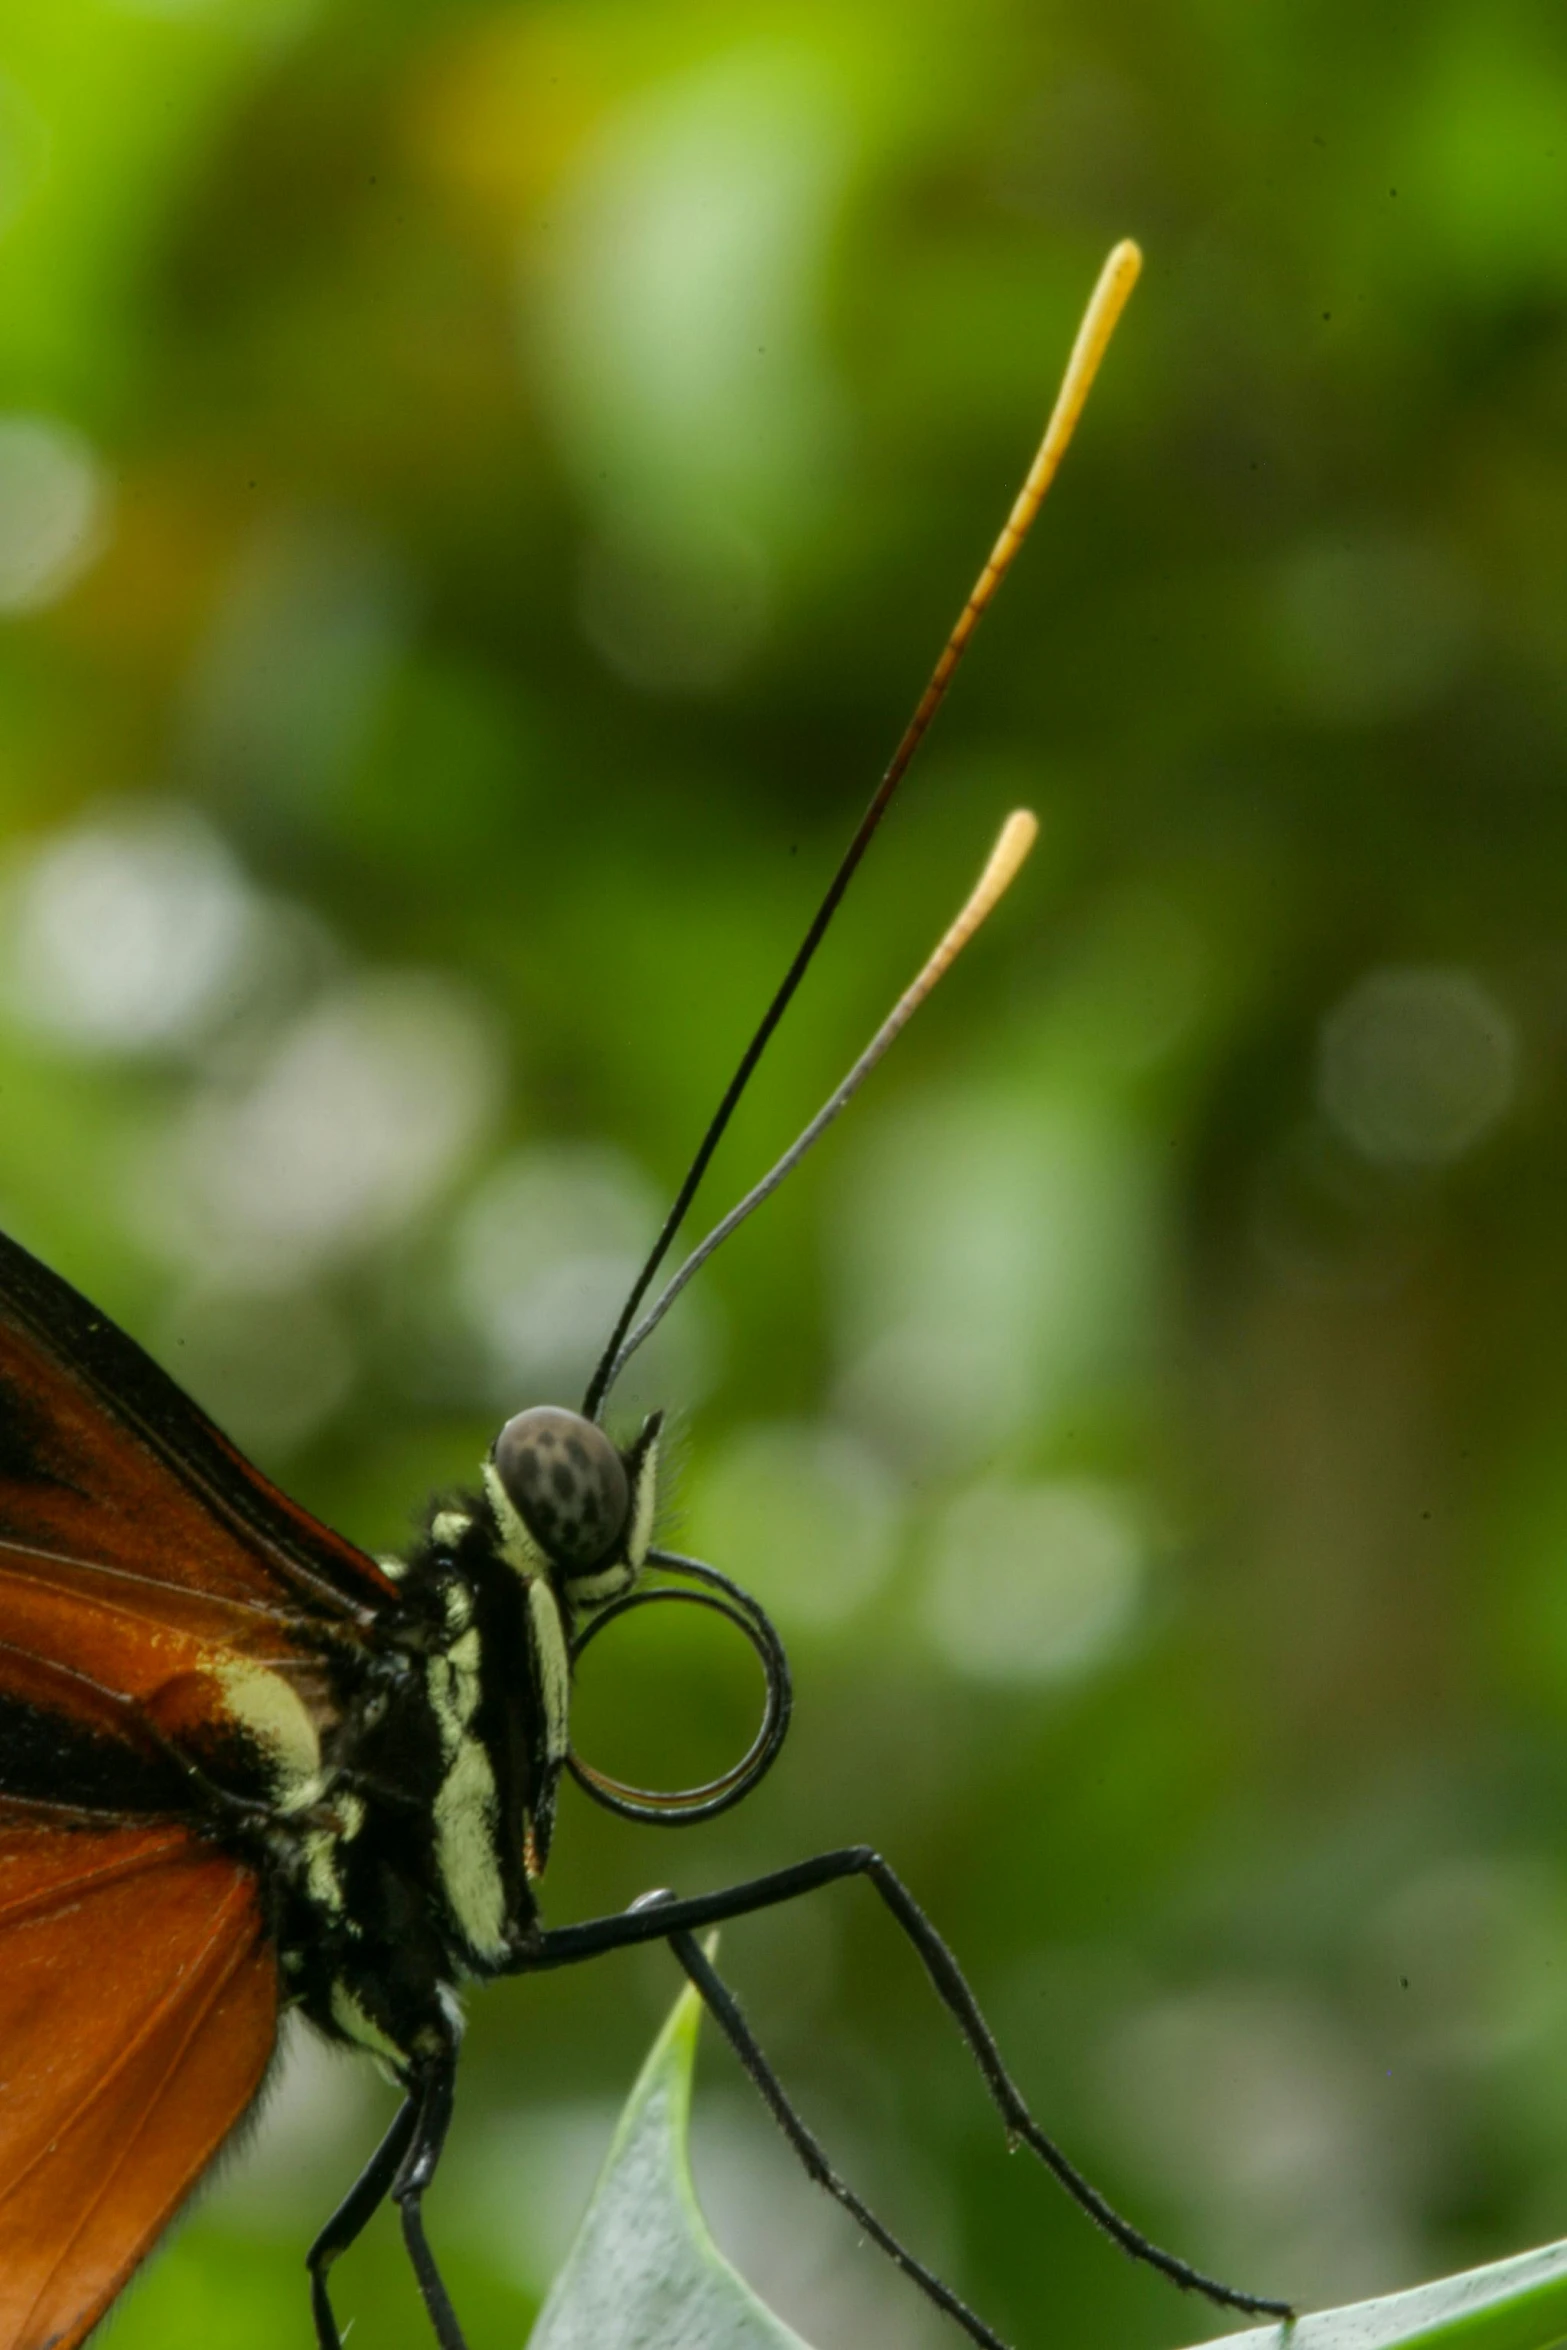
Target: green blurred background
480,488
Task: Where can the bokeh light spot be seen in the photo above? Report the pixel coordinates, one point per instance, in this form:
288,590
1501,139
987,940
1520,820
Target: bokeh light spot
300,654
53,510
270,1368
544,1254
361,1111
678,324
995,1259
127,933
805,1517
1034,1582
1417,1065
1250,2100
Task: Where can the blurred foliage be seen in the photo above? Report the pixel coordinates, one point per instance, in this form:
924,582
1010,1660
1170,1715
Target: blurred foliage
479,490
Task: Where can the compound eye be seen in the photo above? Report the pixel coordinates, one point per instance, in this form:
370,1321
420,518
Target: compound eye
566,1479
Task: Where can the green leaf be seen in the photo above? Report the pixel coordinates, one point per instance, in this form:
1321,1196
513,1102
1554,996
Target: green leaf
1517,2304
644,2274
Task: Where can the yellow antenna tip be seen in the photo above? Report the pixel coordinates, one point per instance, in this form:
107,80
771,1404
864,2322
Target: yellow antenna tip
1017,838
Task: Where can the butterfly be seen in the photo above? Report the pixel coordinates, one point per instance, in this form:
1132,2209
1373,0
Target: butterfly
247,1768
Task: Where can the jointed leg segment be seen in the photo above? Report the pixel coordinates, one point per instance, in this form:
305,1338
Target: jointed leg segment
664,1918
353,2215
402,2166
725,2011
417,2169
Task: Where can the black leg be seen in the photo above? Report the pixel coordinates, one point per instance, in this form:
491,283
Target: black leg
352,2215
662,1919
432,2106
725,2011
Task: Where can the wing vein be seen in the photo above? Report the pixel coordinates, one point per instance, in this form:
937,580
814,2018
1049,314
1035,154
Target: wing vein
117,1699
38,1812
28,1908
290,1619
130,2049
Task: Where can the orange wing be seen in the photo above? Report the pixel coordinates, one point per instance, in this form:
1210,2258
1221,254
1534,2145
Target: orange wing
138,1549
138,2011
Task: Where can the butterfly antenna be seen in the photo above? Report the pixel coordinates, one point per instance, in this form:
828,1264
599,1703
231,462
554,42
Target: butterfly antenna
1108,300
1016,838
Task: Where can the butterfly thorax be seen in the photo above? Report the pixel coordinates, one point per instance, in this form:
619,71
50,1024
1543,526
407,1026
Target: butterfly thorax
408,1867
403,1859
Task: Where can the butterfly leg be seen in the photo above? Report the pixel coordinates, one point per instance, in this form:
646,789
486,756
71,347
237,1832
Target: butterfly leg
724,2008
662,1918
434,2092
352,2215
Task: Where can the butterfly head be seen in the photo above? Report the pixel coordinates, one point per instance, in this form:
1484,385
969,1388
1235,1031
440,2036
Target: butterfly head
574,1514
569,1499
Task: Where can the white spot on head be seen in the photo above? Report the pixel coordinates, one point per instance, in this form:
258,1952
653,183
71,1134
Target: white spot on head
608,1583
518,1548
554,1667
644,1507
